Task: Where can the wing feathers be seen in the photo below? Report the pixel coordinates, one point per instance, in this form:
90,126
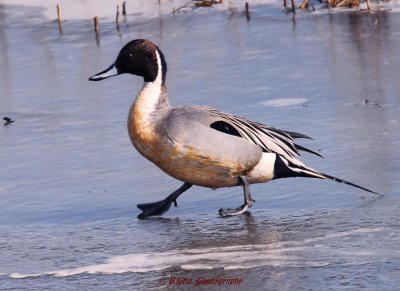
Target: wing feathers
268,138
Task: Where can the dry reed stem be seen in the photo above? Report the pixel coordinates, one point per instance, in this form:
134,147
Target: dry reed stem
124,8
96,24
293,7
59,18
304,5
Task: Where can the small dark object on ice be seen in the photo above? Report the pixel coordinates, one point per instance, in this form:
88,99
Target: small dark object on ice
367,102
8,120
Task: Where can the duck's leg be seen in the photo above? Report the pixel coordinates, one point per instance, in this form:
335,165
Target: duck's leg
248,201
160,207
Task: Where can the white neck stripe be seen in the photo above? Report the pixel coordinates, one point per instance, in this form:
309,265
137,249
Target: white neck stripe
151,92
158,80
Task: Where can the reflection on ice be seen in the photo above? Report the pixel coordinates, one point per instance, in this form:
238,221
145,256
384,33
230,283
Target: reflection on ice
313,252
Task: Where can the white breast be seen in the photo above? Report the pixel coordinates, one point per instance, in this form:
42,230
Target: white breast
264,170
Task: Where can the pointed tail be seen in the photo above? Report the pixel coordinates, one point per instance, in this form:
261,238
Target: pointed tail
349,183
302,171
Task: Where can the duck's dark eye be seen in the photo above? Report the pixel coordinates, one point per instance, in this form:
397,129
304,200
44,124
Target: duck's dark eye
130,55
149,57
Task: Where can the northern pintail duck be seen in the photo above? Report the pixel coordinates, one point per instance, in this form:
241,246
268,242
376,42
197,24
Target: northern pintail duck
200,145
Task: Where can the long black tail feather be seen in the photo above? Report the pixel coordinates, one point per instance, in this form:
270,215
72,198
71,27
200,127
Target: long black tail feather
349,183
285,169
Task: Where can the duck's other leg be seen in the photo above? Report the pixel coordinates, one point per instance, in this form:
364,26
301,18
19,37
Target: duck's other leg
160,207
248,201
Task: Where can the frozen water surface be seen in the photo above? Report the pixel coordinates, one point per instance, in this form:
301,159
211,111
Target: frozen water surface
70,179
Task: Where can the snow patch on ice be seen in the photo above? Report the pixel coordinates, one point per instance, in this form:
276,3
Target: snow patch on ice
284,102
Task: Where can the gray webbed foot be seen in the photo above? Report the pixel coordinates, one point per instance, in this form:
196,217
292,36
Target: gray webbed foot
248,201
225,212
160,207
156,208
